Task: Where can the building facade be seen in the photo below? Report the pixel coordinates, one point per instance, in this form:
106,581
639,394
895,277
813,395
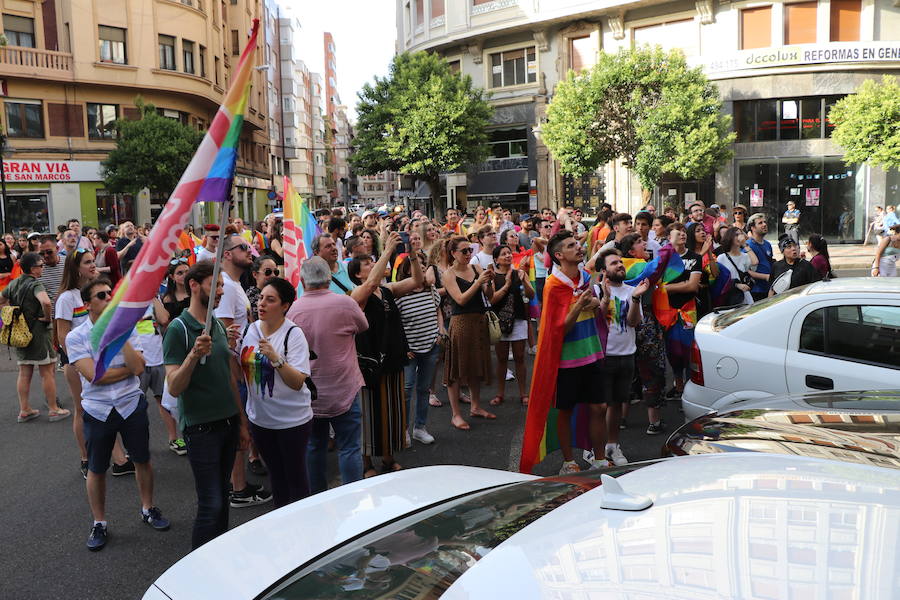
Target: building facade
779,67
378,189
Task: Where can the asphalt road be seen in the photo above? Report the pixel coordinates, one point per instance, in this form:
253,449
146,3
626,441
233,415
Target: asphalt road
46,519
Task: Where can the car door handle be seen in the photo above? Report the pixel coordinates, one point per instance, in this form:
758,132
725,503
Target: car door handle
819,383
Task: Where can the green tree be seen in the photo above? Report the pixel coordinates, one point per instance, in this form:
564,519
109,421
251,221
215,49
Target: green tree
422,120
867,123
643,106
152,153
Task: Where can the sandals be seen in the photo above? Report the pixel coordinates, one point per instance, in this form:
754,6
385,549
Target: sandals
370,472
462,425
391,467
29,416
464,398
524,400
434,401
496,400
482,414
59,415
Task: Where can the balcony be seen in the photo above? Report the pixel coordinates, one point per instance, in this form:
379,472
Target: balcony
17,61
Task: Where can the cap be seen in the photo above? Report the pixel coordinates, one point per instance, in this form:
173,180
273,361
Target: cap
383,213
785,241
111,228
714,206
33,234
524,217
368,213
211,227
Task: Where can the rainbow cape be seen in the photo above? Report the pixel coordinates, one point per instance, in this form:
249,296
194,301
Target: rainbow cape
665,266
526,259
208,178
540,424
298,231
719,285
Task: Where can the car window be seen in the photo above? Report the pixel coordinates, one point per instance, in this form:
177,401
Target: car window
422,554
738,314
864,333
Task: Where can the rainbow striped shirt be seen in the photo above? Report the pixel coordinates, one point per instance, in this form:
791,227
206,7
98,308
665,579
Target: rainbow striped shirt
581,346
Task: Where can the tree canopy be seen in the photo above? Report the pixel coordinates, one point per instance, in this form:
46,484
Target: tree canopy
422,120
152,152
867,123
643,106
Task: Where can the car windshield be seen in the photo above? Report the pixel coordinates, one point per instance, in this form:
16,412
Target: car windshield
422,554
732,317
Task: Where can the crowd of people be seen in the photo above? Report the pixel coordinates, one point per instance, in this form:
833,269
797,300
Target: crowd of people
348,360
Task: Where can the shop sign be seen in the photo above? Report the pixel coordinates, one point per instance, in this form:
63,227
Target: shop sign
52,170
812,196
802,54
756,197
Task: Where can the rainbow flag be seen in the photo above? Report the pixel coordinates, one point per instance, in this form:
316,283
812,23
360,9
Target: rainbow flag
207,178
298,230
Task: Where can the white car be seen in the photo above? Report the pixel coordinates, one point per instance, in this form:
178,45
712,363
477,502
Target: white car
745,525
842,334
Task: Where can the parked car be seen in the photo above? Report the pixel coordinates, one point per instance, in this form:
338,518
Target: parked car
842,334
746,525
860,427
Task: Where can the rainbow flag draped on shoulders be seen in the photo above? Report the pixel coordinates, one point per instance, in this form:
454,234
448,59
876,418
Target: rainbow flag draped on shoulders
525,260
540,424
208,178
298,230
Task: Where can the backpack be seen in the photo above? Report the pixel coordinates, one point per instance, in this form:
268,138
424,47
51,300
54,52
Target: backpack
15,331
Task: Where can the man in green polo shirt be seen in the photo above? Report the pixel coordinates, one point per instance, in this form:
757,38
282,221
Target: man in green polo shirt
210,415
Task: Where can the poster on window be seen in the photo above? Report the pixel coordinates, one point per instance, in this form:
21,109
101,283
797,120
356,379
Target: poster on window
756,197
812,196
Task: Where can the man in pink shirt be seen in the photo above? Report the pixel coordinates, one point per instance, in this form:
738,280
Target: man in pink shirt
330,323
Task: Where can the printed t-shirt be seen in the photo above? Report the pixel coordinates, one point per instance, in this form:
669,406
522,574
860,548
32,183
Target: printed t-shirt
270,402
620,340
70,307
581,346
692,264
98,400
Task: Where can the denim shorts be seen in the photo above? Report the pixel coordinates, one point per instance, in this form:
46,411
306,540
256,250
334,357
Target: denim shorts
100,436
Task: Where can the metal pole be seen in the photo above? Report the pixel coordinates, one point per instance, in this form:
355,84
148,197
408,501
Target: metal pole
3,184
217,268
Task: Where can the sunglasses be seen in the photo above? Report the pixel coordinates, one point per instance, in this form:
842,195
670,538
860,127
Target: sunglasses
80,250
213,237
48,252
178,261
466,250
270,272
243,247
102,295
41,265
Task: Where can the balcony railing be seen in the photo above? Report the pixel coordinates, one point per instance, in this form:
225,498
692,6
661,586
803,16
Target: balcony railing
16,60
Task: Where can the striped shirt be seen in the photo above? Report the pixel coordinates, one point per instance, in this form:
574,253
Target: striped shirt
51,277
581,346
418,311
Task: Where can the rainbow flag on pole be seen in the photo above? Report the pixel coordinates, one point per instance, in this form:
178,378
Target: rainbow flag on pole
207,178
299,228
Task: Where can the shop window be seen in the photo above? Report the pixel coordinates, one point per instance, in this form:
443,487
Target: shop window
811,118
508,143
513,67
845,20
27,210
112,45
789,120
24,119
19,31
745,121
167,52
101,119
187,55
830,101
800,23
582,53
756,28
766,120
113,209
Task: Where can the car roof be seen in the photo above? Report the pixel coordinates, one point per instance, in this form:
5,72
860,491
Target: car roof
855,285
721,526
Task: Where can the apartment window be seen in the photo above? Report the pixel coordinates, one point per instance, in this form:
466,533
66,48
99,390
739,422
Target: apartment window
800,23
216,69
454,66
235,42
202,61
19,31
683,34
167,52
508,143
514,67
420,14
582,53
437,8
24,119
112,45
101,119
187,55
233,1
845,20
175,115
756,28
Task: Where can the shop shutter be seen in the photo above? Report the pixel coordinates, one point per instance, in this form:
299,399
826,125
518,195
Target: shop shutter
800,23
756,27
845,20
65,120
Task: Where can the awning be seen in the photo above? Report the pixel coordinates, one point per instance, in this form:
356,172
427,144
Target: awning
498,183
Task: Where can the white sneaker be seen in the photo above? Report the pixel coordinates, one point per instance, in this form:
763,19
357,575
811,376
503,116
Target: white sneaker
532,350
408,441
510,357
588,455
614,453
600,464
569,467
421,435
509,375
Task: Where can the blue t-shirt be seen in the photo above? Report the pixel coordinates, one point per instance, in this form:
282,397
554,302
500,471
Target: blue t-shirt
342,276
891,219
764,254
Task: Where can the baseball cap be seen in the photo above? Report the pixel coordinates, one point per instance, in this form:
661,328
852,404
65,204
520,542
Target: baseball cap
524,217
34,234
784,241
368,213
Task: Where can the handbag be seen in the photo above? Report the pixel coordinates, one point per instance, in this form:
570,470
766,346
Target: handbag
15,331
493,323
506,312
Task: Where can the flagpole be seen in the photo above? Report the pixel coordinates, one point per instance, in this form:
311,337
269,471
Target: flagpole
217,269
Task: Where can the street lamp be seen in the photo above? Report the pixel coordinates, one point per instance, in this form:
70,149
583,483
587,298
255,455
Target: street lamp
5,151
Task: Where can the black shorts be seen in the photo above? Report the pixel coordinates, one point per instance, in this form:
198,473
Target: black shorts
63,357
618,372
99,436
579,385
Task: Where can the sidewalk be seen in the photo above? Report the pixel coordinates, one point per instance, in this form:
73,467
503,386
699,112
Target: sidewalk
844,256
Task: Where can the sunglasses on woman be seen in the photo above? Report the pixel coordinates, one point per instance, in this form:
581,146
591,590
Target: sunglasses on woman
270,272
466,250
178,261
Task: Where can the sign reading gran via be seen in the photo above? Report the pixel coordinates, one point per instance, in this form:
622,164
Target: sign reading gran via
804,54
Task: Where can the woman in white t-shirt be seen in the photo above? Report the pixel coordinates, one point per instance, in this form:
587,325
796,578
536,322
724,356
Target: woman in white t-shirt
275,363
71,311
738,261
